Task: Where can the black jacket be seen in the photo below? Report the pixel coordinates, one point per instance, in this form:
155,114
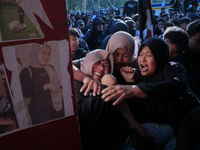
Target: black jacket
117,25
186,3
94,37
130,8
80,53
165,102
176,5
191,62
101,126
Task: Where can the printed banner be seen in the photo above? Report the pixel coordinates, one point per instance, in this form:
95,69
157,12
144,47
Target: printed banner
36,80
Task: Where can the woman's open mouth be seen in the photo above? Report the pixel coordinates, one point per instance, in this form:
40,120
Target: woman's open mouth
98,74
143,68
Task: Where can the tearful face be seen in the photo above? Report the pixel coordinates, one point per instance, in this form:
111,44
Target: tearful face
146,62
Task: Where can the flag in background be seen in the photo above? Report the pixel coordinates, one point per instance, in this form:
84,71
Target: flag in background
163,3
146,19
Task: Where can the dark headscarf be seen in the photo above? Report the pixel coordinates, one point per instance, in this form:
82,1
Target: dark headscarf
119,26
95,23
159,49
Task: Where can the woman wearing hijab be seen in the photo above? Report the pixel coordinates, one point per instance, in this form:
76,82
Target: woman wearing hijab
122,46
102,126
159,85
40,83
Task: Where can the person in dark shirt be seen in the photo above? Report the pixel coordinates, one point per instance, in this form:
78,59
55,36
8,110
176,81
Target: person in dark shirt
131,25
81,26
190,57
76,52
175,18
117,25
177,39
130,8
189,131
175,4
159,28
94,37
190,6
185,22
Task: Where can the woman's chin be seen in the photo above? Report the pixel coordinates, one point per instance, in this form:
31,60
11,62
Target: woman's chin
144,74
97,78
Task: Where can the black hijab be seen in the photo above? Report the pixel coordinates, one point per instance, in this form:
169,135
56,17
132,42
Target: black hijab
159,49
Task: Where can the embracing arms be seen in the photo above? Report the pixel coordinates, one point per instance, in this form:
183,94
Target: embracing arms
89,83
168,84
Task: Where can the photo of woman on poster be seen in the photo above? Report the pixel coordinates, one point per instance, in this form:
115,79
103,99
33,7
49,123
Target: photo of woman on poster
40,84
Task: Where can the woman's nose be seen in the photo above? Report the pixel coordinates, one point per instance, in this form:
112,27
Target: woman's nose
144,58
119,58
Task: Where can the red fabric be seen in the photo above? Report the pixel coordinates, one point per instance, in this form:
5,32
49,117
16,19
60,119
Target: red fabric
146,19
59,134
149,21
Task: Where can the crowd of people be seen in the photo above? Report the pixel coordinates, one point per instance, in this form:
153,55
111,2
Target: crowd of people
134,94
